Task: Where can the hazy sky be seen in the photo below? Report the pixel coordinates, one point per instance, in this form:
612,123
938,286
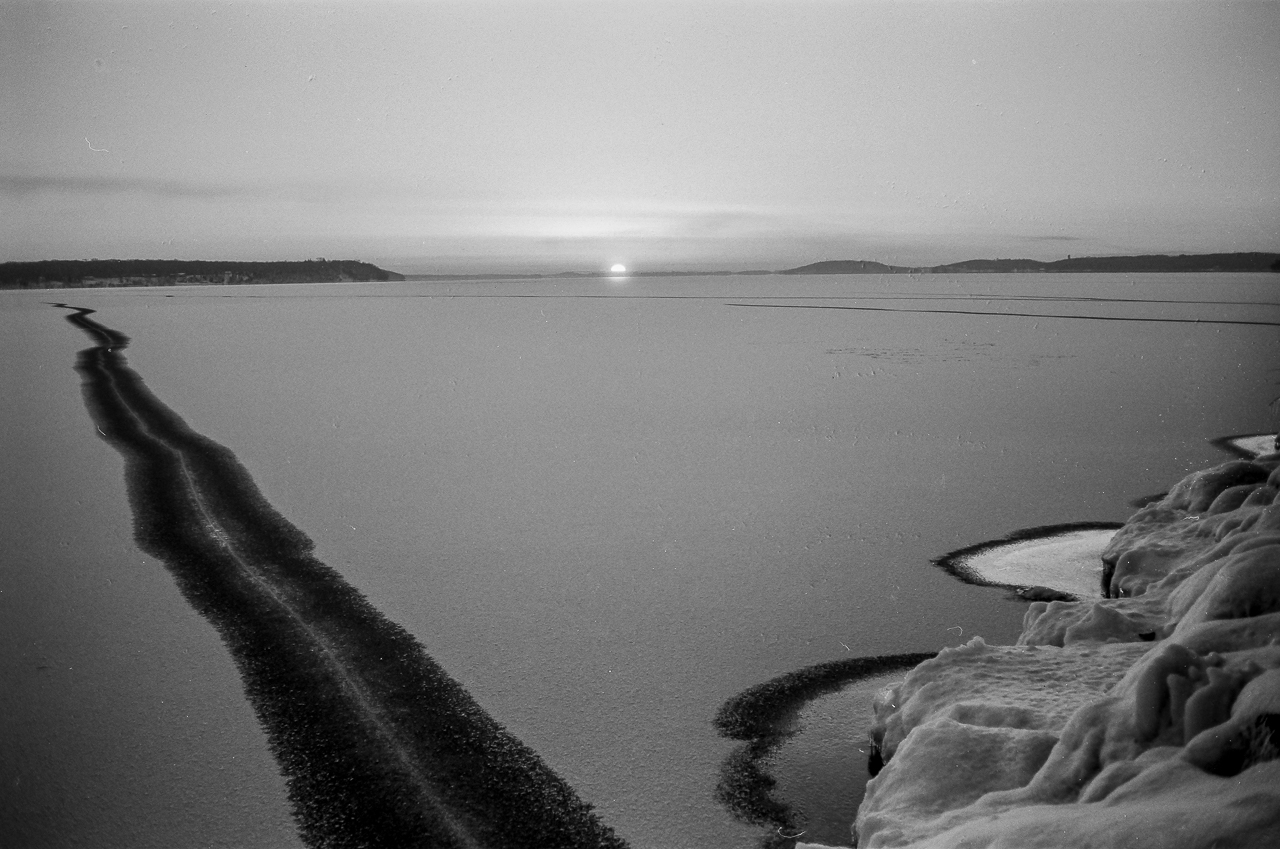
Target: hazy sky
490,135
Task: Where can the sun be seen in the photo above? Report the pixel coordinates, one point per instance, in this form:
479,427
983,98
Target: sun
617,268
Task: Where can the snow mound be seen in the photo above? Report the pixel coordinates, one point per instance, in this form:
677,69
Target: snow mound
1149,718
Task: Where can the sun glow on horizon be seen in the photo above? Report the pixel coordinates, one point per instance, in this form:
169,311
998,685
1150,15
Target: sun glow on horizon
617,268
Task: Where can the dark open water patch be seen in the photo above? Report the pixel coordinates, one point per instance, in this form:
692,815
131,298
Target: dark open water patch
964,563
763,716
379,746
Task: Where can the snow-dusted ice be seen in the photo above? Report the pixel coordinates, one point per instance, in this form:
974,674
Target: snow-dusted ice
1147,719
1250,445
1066,560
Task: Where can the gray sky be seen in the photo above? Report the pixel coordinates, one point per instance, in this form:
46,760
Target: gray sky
568,136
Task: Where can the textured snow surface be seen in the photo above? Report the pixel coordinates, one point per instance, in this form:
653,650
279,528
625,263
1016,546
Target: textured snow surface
1150,718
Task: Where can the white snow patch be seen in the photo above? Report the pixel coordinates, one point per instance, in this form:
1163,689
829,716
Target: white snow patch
1070,562
1255,445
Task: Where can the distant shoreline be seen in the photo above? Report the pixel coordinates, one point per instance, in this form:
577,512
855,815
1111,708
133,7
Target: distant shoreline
1144,263
112,273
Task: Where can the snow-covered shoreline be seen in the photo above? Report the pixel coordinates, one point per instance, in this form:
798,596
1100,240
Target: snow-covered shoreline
1150,718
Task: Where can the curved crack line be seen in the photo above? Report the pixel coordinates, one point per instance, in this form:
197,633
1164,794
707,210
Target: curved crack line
898,296
763,717
1153,320
380,747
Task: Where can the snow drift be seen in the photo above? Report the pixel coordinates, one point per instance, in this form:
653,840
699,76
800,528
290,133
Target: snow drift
1147,718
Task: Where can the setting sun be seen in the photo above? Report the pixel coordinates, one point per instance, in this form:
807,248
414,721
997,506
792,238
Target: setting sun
617,268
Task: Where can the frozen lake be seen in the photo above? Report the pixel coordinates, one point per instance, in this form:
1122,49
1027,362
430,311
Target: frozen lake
603,506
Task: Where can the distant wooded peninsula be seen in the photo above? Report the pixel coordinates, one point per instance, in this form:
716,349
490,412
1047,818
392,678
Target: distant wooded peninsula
101,273
1079,264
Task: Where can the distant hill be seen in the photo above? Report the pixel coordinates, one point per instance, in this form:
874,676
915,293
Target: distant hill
1084,264
846,266
100,273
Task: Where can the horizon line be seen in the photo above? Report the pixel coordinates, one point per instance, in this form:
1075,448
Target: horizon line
605,272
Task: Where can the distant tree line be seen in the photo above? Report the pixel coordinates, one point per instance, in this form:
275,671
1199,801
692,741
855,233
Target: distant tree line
1080,264
96,273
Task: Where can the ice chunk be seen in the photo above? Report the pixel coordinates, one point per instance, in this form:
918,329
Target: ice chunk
999,686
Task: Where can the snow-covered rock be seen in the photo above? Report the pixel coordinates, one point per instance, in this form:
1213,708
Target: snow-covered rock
1150,718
